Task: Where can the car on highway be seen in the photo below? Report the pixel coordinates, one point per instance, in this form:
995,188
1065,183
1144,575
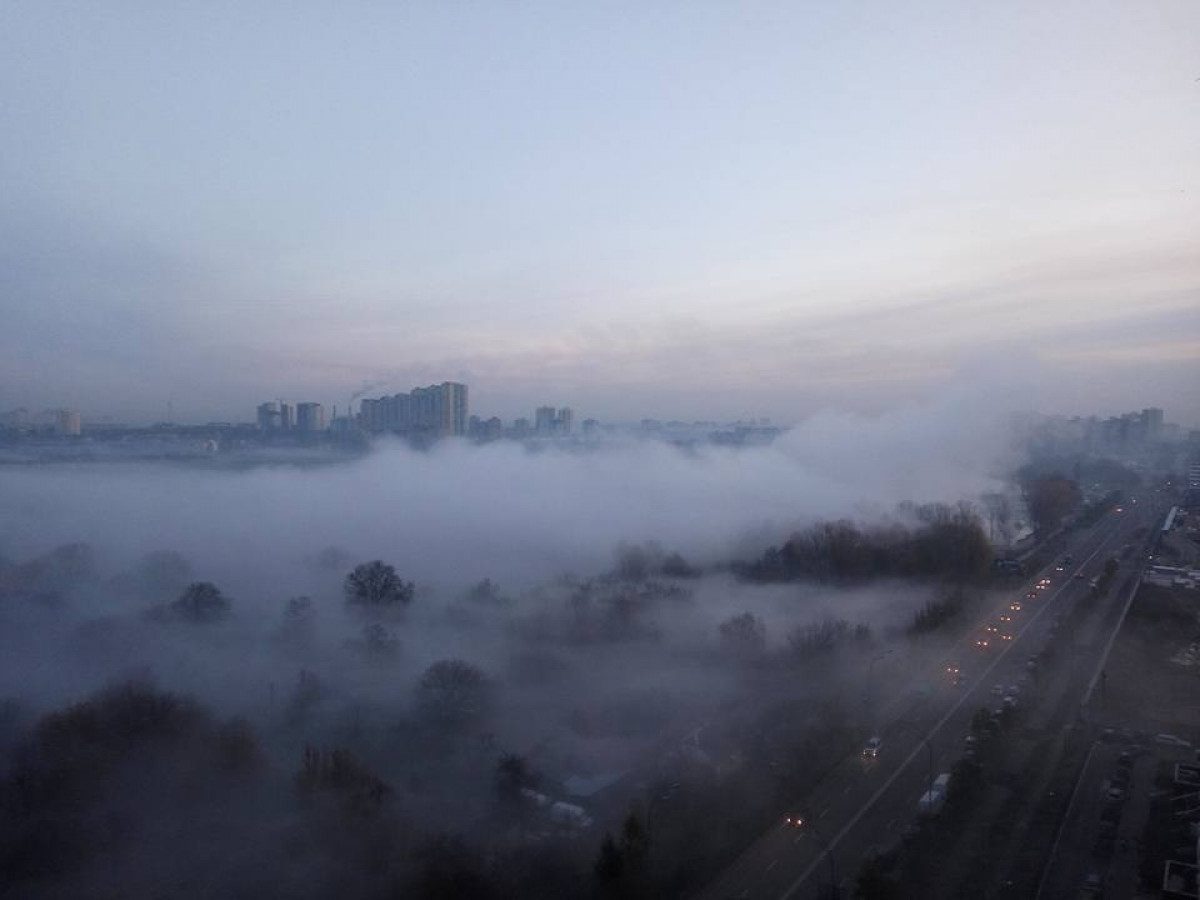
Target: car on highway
982,643
872,747
991,628
1015,606
794,821
1079,576
1006,636
1031,595
1006,618
997,690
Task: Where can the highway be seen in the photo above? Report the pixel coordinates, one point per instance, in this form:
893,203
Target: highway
865,804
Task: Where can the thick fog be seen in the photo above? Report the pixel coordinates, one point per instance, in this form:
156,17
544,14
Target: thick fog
601,636
459,513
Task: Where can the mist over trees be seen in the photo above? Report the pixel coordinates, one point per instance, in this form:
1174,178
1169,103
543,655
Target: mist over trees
946,542
1049,499
482,738
375,585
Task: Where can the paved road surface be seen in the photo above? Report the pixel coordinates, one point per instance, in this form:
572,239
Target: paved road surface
866,804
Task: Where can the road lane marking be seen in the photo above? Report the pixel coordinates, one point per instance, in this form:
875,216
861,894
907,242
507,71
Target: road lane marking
824,813
773,864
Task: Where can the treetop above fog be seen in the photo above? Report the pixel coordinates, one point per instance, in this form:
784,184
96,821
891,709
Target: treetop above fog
376,585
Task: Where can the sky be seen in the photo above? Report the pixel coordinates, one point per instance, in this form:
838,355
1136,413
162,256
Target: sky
683,210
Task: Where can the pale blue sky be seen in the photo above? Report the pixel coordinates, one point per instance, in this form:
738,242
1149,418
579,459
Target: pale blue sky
696,210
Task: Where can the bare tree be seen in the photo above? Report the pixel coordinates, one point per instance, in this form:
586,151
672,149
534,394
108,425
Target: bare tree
201,601
452,692
375,585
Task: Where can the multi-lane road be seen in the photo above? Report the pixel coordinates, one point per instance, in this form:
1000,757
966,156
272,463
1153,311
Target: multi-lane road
865,803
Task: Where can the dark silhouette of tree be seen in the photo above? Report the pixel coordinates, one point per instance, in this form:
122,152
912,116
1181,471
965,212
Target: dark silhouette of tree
81,768
339,774
378,641
947,541
452,692
1049,498
610,865
513,774
375,585
304,697
875,882
202,602
635,846
451,870
487,592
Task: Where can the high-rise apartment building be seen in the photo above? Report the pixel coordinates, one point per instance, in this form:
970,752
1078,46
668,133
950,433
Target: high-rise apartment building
439,410
543,420
310,418
564,421
268,416
68,422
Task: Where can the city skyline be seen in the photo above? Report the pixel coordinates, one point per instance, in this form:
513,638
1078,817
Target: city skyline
699,211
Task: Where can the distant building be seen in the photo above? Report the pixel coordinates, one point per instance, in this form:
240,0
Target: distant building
287,417
564,421
1152,423
310,418
68,423
544,418
521,428
439,410
268,416
591,427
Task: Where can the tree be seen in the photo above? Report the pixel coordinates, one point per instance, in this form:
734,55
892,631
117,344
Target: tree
378,641
452,692
744,636
338,773
1000,518
610,865
874,881
1048,499
512,775
375,585
451,869
635,846
201,601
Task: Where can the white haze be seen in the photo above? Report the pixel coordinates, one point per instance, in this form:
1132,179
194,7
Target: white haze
459,513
